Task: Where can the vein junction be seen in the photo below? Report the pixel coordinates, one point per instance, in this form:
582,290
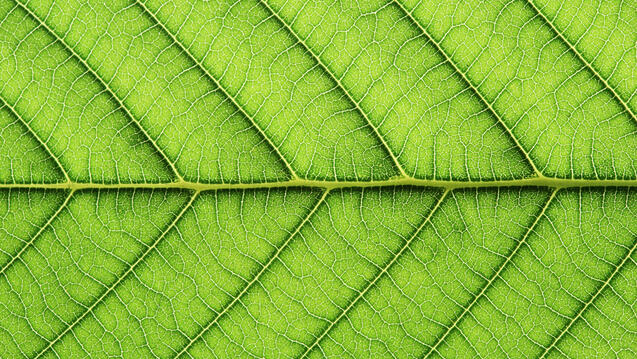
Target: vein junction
330,185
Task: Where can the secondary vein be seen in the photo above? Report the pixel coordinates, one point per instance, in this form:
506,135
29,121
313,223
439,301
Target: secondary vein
590,301
382,272
105,85
587,64
196,61
37,235
465,78
121,278
256,278
327,71
484,289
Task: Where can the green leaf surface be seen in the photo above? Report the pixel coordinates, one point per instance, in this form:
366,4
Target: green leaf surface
322,179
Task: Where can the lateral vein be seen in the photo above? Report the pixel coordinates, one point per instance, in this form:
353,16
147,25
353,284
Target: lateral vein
465,78
493,278
40,231
255,279
110,289
383,271
218,84
106,86
330,74
587,64
37,138
590,301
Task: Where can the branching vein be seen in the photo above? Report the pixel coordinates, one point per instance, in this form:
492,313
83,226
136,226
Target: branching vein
104,84
256,278
340,85
484,289
37,235
587,64
462,74
587,305
37,138
187,52
121,278
379,275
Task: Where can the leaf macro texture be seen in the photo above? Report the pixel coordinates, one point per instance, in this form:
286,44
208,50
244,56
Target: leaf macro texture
318,179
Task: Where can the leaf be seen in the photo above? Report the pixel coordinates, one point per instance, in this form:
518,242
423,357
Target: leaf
269,178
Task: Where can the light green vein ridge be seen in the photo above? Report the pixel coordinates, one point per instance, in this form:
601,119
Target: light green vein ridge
106,86
218,84
495,276
379,275
327,70
35,237
586,305
330,185
110,289
471,85
37,138
587,64
256,278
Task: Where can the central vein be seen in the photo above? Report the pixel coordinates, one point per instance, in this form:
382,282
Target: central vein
398,181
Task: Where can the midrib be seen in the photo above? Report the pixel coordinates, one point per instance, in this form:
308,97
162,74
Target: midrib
398,181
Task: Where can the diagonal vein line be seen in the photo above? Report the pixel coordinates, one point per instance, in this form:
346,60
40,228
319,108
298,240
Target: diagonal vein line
484,289
383,271
330,74
112,93
37,138
590,301
130,269
40,231
255,279
464,76
218,85
587,64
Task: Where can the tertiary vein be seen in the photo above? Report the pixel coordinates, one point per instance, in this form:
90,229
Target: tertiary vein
384,270
217,83
106,86
491,280
119,280
255,279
